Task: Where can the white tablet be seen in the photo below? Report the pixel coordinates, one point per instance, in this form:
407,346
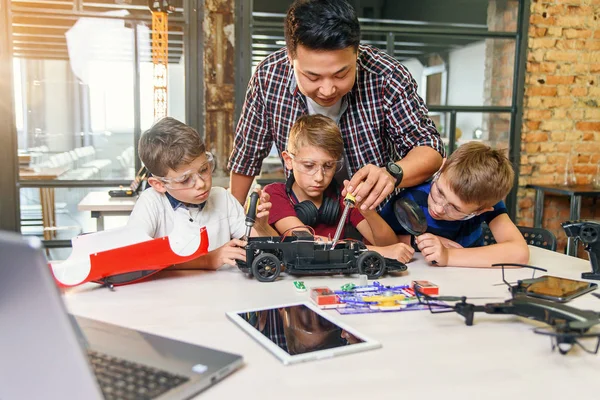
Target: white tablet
300,332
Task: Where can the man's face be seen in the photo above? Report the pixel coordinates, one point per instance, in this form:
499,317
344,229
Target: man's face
325,75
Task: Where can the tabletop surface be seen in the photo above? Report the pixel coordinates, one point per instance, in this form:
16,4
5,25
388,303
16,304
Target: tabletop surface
422,355
101,201
587,190
41,174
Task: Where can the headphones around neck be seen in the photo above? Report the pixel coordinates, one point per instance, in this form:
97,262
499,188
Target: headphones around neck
308,213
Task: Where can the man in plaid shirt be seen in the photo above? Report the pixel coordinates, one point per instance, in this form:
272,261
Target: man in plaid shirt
389,140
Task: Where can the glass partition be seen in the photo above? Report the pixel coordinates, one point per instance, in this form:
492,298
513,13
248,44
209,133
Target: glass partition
83,93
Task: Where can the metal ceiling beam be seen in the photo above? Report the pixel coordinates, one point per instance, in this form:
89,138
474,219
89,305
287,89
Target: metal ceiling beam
60,39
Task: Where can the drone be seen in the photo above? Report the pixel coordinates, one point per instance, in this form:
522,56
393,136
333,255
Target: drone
566,324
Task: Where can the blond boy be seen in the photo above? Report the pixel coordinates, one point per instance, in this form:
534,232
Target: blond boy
467,191
311,196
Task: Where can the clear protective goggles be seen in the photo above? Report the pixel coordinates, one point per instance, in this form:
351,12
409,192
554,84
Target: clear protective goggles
310,167
189,178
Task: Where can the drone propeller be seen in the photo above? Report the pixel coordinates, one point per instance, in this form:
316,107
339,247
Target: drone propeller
509,284
565,341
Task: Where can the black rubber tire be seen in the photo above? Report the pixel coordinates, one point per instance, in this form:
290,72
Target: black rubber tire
371,264
266,267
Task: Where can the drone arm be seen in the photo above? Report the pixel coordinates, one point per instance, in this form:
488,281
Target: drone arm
467,310
499,308
545,311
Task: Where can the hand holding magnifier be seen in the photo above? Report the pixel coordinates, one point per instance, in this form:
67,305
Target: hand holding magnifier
411,217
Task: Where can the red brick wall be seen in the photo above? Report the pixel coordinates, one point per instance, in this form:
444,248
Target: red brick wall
499,70
561,106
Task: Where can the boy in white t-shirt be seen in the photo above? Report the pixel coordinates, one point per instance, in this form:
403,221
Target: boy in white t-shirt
181,179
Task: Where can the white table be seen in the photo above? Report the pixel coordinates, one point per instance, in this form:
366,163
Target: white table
102,205
423,355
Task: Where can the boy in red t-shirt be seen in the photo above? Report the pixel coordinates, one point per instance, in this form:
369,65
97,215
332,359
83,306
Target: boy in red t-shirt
311,196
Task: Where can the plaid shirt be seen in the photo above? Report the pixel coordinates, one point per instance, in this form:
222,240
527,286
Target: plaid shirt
384,119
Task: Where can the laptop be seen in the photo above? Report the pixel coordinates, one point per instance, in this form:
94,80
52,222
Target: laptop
46,353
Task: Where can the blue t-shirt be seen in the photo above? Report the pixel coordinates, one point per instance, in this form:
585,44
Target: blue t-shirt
467,233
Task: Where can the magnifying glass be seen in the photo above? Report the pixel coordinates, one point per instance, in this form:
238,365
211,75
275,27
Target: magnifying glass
411,217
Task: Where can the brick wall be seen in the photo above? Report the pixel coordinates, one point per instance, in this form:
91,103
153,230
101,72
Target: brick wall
499,70
561,116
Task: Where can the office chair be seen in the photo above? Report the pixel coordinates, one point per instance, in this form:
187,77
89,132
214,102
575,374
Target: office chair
539,237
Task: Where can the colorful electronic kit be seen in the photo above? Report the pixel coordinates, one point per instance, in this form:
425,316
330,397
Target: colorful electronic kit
375,297
425,287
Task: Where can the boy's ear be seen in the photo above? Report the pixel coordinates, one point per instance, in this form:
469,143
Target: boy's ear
287,159
157,185
486,210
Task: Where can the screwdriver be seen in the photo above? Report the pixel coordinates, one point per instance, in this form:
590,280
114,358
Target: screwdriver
251,213
349,202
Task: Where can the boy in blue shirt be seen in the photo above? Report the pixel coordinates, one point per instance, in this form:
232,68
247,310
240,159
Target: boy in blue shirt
467,191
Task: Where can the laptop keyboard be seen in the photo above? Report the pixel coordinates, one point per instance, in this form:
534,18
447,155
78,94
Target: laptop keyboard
121,379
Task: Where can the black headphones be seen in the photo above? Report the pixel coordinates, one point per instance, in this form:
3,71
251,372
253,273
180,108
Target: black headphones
307,212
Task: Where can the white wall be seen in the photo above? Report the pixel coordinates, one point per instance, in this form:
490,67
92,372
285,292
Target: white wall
465,84
58,115
415,67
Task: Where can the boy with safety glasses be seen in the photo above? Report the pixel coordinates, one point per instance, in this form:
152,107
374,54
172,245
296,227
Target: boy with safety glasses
467,191
181,188
312,197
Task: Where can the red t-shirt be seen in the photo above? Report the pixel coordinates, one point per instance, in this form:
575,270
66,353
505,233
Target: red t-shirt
282,206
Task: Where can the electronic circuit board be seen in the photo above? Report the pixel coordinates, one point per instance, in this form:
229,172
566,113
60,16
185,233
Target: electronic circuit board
371,298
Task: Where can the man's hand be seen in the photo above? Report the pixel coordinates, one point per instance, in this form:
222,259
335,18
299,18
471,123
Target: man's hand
261,224
433,249
229,252
375,185
264,205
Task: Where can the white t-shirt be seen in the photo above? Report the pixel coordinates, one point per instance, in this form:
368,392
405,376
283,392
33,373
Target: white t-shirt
334,112
223,216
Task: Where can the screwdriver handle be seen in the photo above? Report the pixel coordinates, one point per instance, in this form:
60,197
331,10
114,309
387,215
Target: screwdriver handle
251,208
251,213
350,199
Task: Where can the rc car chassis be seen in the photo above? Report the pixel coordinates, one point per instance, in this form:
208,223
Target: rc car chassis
300,254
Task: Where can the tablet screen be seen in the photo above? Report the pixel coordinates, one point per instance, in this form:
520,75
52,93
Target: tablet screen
298,329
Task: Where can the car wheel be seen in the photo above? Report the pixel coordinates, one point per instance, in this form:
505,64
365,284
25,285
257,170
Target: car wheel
371,264
266,267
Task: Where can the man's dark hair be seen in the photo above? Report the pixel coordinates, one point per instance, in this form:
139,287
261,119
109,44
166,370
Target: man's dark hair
321,25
